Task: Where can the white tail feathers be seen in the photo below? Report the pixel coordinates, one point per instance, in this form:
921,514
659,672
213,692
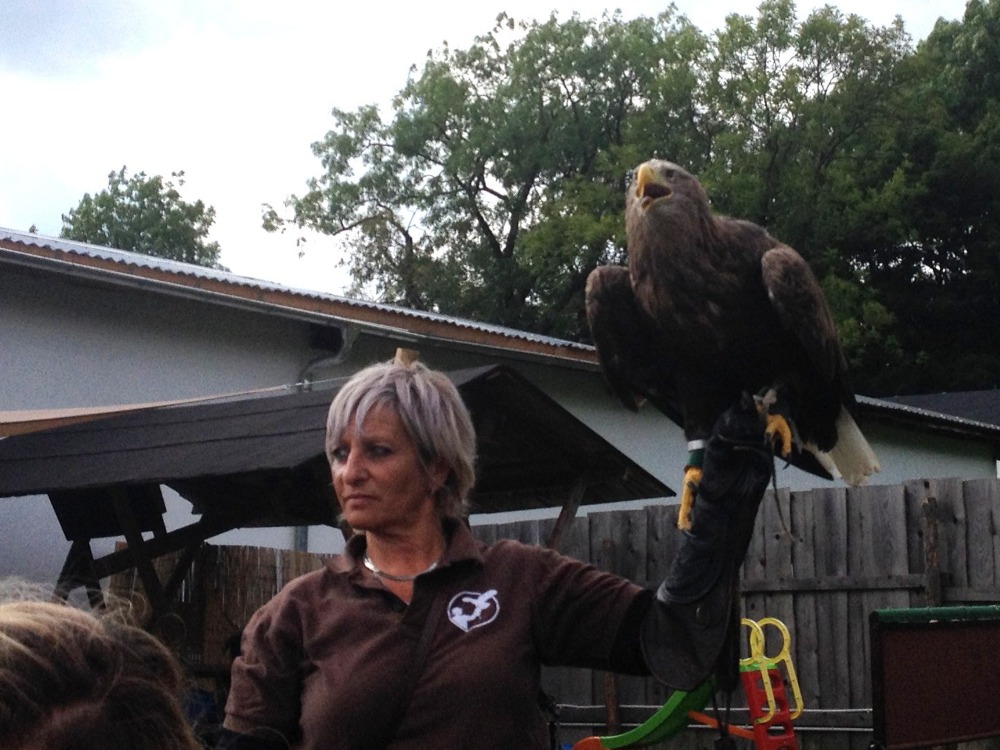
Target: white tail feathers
824,459
852,457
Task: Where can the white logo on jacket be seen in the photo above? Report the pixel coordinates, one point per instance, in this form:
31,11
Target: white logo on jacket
470,609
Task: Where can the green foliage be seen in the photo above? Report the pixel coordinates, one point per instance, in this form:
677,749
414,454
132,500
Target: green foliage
145,215
940,273
496,185
866,331
795,106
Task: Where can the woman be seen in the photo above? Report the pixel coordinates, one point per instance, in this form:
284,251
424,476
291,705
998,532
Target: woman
418,636
70,680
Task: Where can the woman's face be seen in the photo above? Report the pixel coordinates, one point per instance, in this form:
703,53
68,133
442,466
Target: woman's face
377,475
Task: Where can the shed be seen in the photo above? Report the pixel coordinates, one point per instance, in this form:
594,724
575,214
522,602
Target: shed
259,461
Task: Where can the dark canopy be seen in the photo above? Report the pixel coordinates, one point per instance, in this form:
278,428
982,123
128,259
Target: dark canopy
260,462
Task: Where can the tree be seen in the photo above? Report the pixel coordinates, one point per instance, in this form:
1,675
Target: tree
801,113
940,274
145,215
792,105
497,185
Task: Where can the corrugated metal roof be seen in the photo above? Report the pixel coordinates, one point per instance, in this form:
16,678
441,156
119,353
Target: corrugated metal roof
267,453
211,281
183,273
982,407
118,256
929,417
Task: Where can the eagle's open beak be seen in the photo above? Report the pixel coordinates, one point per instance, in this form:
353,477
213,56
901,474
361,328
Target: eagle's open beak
649,186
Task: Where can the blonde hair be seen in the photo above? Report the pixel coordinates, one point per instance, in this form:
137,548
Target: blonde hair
432,412
72,679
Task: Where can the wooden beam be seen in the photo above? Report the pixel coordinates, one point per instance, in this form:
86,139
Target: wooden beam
406,356
79,570
180,570
932,553
140,556
963,594
834,583
568,512
207,526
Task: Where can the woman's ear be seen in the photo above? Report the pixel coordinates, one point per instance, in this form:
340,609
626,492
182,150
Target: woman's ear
437,474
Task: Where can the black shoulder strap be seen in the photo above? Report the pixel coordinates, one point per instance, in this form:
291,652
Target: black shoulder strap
409,679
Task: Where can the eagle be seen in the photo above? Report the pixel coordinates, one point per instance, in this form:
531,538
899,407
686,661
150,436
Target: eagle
710,308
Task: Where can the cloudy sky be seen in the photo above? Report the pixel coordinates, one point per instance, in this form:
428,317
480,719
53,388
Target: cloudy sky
233,92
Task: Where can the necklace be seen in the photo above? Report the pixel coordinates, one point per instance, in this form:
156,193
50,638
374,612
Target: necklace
389,576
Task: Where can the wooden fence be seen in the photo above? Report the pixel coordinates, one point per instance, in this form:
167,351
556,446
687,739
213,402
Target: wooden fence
820,561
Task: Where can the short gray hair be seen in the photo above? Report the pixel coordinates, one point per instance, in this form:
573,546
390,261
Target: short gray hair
432,412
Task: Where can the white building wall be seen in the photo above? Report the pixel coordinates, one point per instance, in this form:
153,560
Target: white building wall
66,343
77,343
70,343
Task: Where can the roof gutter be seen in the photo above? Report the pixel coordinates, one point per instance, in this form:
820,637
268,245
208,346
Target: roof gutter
943,423
106,276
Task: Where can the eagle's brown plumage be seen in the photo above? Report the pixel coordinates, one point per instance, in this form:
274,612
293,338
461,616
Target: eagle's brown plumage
711,307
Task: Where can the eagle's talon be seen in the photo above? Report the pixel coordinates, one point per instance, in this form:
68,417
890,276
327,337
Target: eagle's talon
779,431
692,478
777,427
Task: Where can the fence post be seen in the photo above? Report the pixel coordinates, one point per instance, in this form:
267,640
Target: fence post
932,553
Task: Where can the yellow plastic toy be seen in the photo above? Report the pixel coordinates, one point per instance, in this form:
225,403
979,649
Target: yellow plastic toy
763,684
765,688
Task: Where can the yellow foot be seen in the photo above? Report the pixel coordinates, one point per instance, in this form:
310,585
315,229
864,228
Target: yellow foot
779,431
692,478
777,428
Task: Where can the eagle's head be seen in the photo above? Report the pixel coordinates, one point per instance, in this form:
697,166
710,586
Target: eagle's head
658,181
651,184
664,199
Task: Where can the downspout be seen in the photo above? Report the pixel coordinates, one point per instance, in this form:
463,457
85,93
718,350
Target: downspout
304,382
307,377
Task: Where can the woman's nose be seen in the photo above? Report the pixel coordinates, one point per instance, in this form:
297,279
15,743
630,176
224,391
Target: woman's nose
353,468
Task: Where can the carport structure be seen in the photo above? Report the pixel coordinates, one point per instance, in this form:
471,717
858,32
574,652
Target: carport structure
257,460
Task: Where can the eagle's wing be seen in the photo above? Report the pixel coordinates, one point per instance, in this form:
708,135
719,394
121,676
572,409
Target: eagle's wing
625,339
798,300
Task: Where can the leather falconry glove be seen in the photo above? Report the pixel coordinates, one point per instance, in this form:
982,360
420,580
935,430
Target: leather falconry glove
691,630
